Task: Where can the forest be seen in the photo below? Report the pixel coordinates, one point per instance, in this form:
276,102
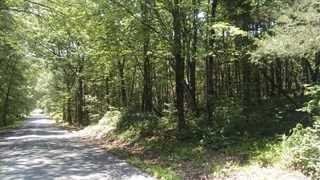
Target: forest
182,89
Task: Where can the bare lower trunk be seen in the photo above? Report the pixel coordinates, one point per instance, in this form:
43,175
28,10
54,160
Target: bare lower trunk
179,64
209,66
147,99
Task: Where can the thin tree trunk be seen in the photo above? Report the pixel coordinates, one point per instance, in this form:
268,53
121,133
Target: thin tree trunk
315,76
80,96
123,92
69,111
107,91
6,105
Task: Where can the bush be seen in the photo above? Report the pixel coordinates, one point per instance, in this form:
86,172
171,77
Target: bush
302,149
229,116
313,105
105,125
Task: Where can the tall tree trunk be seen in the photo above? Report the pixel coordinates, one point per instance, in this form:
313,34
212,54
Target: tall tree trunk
210,65
6,102
147,99
179,64
123,92
80,96
192,63
79,102
68,103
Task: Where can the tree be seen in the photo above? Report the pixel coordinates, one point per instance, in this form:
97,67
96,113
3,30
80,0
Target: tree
210,62
179,62
16,71
147,100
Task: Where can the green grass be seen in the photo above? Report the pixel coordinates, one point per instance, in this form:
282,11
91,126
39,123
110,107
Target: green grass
156,170
265,151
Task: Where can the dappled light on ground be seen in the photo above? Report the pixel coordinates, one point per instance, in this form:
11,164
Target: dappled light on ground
40,151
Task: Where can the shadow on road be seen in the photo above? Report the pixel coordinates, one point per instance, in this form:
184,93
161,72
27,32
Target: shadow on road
41,151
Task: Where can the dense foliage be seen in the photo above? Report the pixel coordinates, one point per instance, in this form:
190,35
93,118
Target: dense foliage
16,71
302,150
294,39
208,71
146,57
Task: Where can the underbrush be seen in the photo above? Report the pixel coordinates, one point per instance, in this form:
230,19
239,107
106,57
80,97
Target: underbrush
302,149
241,138
151,143
105,126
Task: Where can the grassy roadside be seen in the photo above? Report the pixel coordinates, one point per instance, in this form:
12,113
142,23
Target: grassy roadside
155,149
175,160
165,157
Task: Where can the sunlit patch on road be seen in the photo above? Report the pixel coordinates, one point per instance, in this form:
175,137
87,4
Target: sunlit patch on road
41,151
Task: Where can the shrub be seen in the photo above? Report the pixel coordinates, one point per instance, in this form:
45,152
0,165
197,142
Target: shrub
104,126
313,105
229,116
301,150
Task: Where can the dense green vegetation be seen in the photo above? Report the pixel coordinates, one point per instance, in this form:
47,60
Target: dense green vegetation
16,72
182,79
